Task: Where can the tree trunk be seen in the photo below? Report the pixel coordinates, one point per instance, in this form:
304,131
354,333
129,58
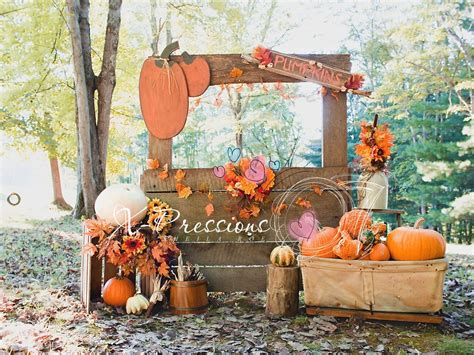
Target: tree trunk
84,127
58,198
93,130
106,86
282,291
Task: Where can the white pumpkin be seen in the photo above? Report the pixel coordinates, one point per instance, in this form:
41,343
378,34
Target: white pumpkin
121,202
137,304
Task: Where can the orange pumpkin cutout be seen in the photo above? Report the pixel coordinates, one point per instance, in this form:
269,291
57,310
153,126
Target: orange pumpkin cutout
411,244
163,93
197,73
321,243
379,252
117,291
348,248
355,221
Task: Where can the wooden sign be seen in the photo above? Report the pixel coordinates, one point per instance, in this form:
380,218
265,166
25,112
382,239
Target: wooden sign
304,69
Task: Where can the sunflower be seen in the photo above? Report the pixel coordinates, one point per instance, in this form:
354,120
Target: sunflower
160,215
133,244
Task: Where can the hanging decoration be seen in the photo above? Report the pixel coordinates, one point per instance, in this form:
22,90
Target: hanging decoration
307,70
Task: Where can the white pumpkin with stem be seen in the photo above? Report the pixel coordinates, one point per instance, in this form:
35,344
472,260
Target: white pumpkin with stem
120,204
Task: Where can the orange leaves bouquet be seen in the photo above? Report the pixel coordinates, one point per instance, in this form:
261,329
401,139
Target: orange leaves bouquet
375,146
249,181
145,246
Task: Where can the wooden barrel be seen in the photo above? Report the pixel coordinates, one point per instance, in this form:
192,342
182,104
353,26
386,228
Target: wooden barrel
188,297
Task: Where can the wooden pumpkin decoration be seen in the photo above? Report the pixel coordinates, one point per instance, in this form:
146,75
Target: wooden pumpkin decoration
354,222
197,73
120,202
379,252
137,304
410,244
321,243
163,93
282,255
117,291
348,248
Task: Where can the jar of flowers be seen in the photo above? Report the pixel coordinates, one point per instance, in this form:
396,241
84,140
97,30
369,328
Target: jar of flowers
374,152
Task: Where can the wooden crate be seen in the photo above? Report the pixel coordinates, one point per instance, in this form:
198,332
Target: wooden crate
236,262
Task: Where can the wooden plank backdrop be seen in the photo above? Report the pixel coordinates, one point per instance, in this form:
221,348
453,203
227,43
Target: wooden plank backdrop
230,261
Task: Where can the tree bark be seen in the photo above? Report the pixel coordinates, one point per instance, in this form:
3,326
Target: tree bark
58,198
106,86
84,127
282,291
92,128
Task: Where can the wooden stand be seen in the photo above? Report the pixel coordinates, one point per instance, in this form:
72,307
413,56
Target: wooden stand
396,213
282,291
388,316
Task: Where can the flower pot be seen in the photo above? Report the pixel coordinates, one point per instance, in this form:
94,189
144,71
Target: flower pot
372,190
188,297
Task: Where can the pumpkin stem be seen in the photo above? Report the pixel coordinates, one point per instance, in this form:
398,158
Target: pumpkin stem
419,222
187,58
170,48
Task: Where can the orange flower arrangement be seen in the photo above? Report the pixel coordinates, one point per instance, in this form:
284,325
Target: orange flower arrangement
145,246
250,181
374,149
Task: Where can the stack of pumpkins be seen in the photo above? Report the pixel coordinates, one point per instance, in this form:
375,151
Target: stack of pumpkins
402,244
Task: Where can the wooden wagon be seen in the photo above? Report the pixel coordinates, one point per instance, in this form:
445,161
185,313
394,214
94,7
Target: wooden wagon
230,261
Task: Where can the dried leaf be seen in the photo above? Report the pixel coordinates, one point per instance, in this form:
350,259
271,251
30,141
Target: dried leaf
317,190
164,174
209,209
89,249
152,164
180,174
236,73
164,270
280,208
183,190
302,202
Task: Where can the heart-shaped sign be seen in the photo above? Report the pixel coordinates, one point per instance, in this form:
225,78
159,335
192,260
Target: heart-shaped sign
274,165
256,171
219,171
233,154
303,227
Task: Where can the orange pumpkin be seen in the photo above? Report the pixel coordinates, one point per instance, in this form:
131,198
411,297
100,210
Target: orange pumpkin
355,221
407,243
117,291
379,252
163,94
321,243
197,73
348,248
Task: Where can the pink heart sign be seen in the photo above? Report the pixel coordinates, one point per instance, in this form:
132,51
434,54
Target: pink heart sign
219,171
303,227
256,171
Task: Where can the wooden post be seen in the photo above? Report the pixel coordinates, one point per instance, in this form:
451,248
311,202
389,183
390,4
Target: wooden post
282,291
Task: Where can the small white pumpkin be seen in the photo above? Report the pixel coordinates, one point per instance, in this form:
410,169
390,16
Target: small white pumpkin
136,304
282,255
117,203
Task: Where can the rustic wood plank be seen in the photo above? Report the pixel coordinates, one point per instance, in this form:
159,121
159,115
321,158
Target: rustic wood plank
236,279
229,253
96,278
191,224
334,148
222,64
85,274
110,271
204,178
282,291
387,316
160,149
